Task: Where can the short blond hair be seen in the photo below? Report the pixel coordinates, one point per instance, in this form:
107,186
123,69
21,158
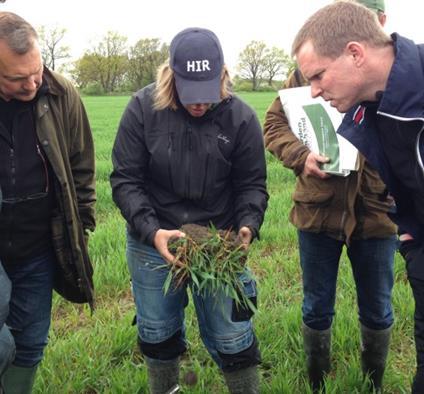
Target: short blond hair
332,27
165,94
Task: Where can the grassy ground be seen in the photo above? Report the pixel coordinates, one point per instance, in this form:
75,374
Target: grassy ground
98,353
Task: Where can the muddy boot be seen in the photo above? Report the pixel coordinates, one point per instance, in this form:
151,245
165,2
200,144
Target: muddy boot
317,344
243,381
19,380
162,374
374,350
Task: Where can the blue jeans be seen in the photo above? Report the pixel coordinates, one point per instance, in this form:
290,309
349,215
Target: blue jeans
372,267
7,344
30,306
160,317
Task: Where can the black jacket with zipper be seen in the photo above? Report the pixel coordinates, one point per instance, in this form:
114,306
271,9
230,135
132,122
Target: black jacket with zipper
171,168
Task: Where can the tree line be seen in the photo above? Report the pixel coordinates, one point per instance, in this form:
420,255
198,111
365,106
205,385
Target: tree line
111,65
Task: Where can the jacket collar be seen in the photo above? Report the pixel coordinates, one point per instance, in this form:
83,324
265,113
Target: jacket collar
54,87
402,98
404,94
212,113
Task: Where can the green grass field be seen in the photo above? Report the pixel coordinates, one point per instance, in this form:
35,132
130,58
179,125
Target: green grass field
98,353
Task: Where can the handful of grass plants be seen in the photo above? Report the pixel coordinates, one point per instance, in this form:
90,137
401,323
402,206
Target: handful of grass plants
213,260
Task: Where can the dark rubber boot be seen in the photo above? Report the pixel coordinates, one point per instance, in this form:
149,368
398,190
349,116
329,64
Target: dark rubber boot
19,380
317,345
162,374
243,381
374,350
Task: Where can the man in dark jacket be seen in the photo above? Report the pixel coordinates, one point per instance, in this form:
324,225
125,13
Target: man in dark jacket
47,180
379,81
330,212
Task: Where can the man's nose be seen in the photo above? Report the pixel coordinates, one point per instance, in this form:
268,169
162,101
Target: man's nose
31,83
316,91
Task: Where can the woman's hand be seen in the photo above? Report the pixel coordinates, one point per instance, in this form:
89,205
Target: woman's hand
160,242
245,236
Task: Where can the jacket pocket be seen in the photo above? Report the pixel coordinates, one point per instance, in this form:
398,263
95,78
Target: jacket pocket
215,170
321,198
67,280
374,192
312,210
61,249
375,197
243,311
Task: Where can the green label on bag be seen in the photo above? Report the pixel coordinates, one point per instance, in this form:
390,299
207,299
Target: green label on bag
328,144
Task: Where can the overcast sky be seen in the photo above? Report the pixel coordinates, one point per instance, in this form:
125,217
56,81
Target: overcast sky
235,22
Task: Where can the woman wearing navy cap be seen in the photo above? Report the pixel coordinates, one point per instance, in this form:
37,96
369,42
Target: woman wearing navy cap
188,151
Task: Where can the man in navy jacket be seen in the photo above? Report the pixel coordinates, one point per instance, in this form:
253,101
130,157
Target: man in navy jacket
378,80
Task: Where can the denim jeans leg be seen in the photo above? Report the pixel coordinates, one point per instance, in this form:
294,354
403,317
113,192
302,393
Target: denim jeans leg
220,334
319,259
7,349
5,290
159,316
30,306
372,263
7,344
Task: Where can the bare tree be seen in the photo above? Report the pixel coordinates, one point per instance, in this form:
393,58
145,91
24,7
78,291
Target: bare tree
51,49
252,62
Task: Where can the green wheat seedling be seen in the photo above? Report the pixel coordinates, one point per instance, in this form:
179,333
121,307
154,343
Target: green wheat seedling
212,260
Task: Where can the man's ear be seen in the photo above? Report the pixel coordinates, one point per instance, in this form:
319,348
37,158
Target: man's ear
356,51
382,18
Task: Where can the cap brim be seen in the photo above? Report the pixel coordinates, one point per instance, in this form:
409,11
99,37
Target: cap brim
376,10
198,92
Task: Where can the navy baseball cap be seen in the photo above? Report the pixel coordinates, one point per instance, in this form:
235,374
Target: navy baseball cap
196,59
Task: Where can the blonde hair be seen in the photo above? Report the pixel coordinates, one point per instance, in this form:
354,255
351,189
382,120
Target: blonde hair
165,94
332,27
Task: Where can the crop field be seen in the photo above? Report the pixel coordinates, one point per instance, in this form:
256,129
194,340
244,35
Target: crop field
98,353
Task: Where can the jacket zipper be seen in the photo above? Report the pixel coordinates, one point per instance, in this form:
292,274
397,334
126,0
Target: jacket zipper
13,181
46,171
205,179
188,160
344,214
170,150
